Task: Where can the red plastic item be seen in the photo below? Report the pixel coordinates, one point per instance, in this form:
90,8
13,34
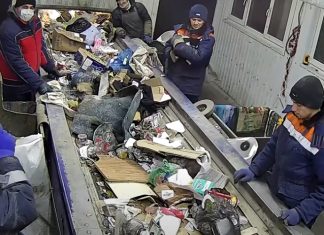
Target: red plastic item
174,212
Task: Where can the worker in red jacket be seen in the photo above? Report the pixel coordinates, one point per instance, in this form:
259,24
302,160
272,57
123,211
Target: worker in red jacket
23,52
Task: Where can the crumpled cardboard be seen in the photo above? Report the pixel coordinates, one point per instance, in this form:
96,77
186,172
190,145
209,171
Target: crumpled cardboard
67,41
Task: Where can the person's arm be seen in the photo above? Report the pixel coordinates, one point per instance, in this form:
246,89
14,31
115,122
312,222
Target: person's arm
117,18
196,56
14,58
145,16
166,55
313,205
17,207
266,158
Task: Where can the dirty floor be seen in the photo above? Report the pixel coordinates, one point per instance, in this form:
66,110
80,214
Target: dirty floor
212,90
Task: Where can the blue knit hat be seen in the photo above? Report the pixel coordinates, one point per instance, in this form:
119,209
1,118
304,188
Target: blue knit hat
199,11
7,144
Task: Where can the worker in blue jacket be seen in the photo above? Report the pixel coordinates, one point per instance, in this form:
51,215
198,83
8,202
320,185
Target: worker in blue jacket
17,205
295,155
189,51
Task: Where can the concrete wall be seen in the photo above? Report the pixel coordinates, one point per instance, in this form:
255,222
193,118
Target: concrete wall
250,68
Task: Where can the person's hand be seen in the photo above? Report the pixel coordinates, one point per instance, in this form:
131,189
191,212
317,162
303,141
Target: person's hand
173,57
176,39
148,39
44,88
290,217
7,144
56,74
243,175
120,32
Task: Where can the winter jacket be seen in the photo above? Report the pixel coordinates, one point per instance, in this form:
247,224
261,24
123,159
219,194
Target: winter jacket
17,204
189,70
296,155
136,21
23,52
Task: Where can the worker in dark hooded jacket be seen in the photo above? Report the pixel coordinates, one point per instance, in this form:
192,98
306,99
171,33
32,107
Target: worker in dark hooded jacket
134,19
295,155
23,52
17,204
189,51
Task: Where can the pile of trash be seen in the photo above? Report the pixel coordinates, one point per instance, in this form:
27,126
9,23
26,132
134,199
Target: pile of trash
144,171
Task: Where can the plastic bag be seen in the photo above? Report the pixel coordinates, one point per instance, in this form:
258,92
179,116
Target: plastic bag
208,177
161,173
122,61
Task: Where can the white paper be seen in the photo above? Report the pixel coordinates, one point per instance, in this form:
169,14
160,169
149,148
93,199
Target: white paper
167,194
176,126
130,143
182,178
116,201
165,97
130,190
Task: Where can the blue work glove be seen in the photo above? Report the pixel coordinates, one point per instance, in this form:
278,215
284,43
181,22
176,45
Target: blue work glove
148,39
7,144
290,217
243,175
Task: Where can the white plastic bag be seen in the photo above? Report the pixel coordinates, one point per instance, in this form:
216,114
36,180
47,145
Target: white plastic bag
30,152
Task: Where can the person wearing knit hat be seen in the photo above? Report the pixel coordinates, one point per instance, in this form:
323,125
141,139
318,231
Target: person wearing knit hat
19,3
295,155
189,51
134,19
199,11
23,52
17,207
308,91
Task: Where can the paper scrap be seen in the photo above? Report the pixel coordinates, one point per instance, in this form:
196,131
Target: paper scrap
130,190
130,143
182,177
167,194
176,126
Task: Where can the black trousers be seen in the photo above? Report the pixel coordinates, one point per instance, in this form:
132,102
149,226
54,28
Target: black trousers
16,93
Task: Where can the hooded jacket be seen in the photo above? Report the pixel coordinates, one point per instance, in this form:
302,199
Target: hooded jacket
22,52
136,30
189,70
295,153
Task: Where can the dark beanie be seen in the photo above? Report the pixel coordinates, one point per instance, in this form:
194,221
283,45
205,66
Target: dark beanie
308,91
19,3
199,11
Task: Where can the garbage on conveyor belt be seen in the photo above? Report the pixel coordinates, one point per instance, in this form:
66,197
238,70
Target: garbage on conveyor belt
153,182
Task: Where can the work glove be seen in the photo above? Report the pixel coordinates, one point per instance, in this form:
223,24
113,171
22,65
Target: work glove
290,217
148,39
7,144
243,175
52,75
176,39
44,88
120,32
173,57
